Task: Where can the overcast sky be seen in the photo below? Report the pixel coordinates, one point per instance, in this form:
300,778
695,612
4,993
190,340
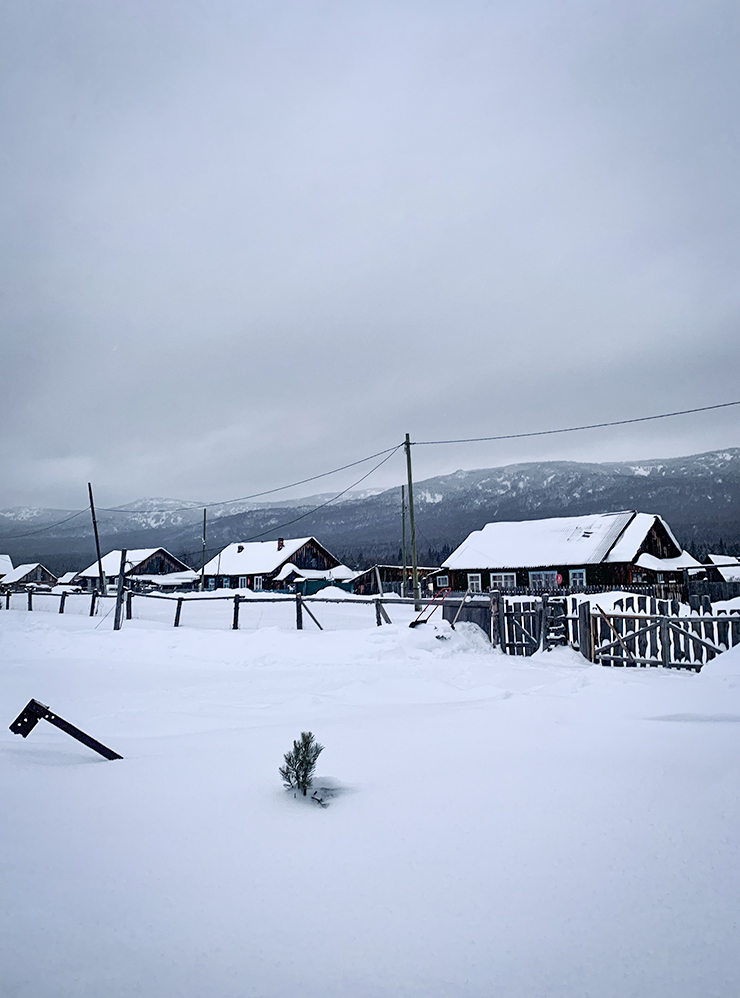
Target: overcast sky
243,243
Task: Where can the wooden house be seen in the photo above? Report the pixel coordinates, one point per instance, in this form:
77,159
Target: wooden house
601,549
144,566
28,575
259,565
6,565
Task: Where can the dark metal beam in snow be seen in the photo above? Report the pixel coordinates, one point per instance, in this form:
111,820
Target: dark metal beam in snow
34,712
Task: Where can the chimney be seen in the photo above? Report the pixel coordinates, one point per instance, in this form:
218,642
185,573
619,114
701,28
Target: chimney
240,548
281,543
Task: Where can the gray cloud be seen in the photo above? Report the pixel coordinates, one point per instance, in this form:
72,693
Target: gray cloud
247,243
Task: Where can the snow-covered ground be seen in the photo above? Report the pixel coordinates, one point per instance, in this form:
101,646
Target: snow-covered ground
508,827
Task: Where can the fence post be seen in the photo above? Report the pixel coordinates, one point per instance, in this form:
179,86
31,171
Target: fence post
7,600
119,592
584,629
378,618
129,600
298,612
543,624
62,602
235,624
665,647
178,611
30,599
502,623
92,603
494,618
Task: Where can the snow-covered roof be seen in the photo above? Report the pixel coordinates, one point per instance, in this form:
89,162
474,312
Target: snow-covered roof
170,578
723,559
560,540
684,560
339,574
112,562
66,579
254,557
19,573
633,536
6,564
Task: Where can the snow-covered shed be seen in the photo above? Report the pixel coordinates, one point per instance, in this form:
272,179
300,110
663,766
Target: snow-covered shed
622,548
146,564
28,575
391,579
722,568
6,565
264,564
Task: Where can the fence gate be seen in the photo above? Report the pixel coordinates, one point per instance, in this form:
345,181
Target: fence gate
657,635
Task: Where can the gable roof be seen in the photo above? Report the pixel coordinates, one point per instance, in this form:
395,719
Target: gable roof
560,540
112,562
254,557
727,566
19,573
6,564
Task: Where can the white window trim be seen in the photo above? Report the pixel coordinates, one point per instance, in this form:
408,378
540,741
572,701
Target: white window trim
577,571
505,583
242,582
475,579
443,581
257,584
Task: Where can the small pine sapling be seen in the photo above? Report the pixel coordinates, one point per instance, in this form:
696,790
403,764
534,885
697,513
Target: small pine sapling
300,763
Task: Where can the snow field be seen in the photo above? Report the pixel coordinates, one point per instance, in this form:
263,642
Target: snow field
508,827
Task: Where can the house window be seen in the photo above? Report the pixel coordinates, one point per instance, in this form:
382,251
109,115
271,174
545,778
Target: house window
443,581
543,580
242,582
474,582
225,582
578,578
503,580
211,584
258,583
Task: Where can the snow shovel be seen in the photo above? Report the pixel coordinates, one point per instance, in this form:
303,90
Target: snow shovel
435,603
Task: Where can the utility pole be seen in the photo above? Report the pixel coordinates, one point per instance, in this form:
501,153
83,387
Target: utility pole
203,559
97,541
119,592
404,587
414,566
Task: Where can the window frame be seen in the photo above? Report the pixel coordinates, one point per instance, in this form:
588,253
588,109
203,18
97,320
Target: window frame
577,571
504,576
443,581
551,575
472,576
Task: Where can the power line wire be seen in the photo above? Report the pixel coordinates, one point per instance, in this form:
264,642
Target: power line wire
303,516
256,495
30,533
572,429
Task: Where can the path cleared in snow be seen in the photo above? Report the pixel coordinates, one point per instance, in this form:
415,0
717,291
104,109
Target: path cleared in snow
524,828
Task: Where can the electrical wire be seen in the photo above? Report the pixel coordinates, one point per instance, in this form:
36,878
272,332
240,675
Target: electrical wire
255,495
48,526
303,516
573,429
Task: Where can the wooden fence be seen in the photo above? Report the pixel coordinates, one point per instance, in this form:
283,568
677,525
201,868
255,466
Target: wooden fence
638,631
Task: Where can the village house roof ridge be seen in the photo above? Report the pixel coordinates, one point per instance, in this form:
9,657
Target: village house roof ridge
592,538
19,572
255,557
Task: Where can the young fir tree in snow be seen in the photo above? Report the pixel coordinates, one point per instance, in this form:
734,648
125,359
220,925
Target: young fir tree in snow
300,763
